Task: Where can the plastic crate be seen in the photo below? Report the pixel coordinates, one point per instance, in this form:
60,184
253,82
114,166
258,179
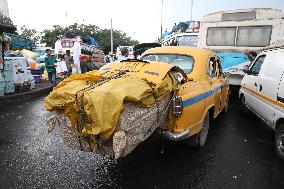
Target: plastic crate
37,71
37,78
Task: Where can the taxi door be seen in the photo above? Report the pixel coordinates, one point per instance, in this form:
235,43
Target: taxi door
216,81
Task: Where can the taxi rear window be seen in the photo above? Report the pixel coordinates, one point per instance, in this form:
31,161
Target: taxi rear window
184,62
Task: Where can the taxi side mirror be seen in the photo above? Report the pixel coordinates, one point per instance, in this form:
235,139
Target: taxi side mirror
246,69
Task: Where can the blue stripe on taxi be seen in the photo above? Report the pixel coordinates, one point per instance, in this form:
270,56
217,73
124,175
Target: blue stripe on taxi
202,96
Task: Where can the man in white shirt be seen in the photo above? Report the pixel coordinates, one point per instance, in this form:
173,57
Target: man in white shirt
76,54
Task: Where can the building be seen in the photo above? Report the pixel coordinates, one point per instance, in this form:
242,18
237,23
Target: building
4,10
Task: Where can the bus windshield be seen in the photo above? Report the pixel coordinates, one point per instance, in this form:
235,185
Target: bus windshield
187,40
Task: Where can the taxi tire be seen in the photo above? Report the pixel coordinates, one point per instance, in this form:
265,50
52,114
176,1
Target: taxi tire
199,139
279,141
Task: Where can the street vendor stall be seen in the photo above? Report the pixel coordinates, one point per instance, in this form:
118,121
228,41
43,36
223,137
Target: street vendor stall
14,73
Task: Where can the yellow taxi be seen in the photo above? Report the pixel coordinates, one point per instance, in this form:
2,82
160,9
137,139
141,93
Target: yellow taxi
202,95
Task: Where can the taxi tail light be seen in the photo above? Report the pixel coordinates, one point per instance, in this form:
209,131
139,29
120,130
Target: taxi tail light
177,106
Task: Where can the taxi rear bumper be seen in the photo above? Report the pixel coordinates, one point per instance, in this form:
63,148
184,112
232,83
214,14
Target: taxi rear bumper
176,137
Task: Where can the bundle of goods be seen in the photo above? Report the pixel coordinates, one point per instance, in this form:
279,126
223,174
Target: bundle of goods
110,111
28,54
18,70
61,68
32,80
8,78
193,27
186,27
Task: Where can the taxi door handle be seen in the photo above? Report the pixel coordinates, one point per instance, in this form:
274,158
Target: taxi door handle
260,88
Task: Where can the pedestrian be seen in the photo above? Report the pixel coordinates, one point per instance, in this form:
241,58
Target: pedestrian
69,61
124,54
50,67
83,64
252,55
97,60
77,53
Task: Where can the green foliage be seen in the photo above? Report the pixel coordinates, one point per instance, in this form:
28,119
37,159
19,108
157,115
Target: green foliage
5,20
49,36
101,35
30,33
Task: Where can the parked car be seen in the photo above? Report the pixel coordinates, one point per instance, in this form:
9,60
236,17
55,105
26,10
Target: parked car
203,95
262,92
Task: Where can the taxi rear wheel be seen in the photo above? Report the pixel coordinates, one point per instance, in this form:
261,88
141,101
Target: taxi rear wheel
279,141
199,139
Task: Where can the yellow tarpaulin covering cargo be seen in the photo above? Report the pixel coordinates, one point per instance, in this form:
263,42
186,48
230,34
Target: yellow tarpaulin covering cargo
94,101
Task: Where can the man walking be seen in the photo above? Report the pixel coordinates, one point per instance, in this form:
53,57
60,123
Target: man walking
50,67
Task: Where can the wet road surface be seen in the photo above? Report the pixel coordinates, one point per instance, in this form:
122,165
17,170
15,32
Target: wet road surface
239,153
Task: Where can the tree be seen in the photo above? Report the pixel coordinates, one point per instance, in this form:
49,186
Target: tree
120,38
6,21
101,35
30,33
50,36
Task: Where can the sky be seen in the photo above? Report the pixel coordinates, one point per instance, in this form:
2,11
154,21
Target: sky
140,19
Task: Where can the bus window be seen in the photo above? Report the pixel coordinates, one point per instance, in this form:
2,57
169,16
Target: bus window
254,36
221,36
238,16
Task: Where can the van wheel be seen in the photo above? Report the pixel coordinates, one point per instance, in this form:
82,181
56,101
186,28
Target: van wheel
199,139
244,109
279,141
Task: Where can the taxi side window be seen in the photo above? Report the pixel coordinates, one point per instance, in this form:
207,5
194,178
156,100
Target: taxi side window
212,68
219,68
257,65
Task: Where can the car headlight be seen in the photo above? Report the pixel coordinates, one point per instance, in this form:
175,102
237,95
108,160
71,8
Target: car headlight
177,106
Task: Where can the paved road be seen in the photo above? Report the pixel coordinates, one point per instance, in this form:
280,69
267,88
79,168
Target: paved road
239,154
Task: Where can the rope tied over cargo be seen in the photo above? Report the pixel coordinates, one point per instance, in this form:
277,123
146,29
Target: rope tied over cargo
82,115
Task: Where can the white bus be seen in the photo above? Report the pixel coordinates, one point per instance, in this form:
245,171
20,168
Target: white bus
241,29
233,32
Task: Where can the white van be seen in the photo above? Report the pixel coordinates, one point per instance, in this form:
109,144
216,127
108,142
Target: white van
262,91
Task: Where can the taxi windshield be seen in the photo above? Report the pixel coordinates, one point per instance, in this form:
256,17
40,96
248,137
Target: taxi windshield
184,62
